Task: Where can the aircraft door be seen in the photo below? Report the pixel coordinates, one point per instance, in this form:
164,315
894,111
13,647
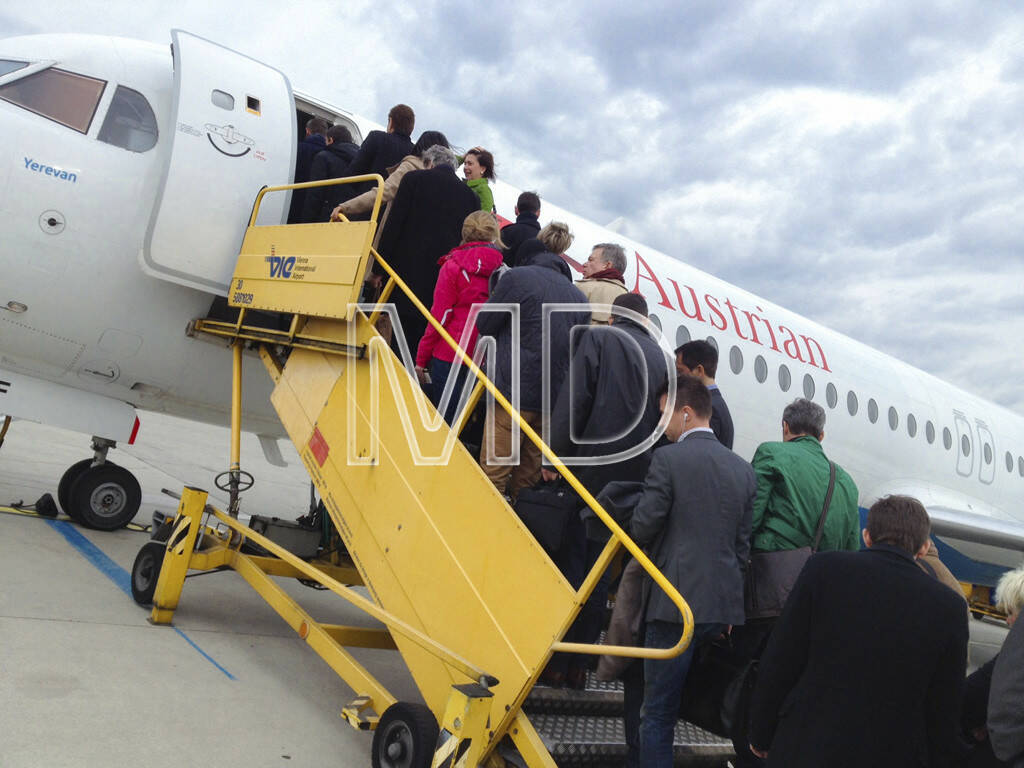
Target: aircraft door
987,451
232,132
964,445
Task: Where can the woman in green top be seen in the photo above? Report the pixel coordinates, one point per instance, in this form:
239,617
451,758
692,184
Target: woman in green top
478,165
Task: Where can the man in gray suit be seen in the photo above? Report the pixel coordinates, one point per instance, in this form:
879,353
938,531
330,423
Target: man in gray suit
694,519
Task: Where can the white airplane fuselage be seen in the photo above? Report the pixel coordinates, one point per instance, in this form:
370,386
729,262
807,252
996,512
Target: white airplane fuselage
112,252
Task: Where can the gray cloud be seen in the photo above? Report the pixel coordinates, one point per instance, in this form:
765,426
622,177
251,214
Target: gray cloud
860,164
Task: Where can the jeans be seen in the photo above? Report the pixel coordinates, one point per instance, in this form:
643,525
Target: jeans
663,687
439,371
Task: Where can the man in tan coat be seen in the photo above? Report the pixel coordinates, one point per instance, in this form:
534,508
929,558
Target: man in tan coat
603,279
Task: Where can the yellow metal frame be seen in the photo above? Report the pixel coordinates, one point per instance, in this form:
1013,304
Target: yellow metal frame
619,536
221,546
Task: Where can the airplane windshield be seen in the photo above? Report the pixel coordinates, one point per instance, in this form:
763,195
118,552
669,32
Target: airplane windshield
8,65
130,122
63,97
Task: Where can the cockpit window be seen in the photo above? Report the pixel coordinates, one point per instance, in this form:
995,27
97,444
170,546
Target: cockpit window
9,65
130,122
64,97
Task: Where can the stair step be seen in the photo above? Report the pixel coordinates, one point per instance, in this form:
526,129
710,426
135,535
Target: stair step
598,698
597,741
584,727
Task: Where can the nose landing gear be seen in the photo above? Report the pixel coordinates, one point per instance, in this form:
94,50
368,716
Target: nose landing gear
98,493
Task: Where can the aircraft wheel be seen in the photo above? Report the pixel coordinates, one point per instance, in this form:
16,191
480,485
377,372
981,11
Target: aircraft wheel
106,497
405,737
146,571
67,480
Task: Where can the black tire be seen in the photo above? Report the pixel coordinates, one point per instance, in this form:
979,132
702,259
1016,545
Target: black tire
106,497
163,531
146,571
405,737
67,480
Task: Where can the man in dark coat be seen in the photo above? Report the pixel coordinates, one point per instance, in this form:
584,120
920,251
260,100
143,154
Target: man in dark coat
609,401
699,358
331,163
547,280
527,225
424,223
694,520
608,404
381,150
1006,698
314,142
866,665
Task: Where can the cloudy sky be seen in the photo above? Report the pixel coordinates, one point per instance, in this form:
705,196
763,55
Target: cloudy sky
860,163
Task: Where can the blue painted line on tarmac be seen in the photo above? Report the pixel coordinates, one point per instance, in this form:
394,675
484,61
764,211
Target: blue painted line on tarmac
115,573
204,654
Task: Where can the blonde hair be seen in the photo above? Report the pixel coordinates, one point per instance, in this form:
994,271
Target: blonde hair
1010,591
556,237
481,226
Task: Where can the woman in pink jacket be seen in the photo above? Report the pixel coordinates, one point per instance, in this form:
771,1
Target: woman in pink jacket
461,283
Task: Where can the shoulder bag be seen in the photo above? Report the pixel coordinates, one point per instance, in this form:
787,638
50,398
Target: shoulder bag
771,575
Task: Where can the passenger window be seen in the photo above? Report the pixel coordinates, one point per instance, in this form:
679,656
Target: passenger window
872,410
9,65
947,438
988,453
911,425
713,342
760,369
784,378
736,360
851,403
656,321
63,97
894,419
1009,462
808,386
929,432
965,445
682,335
130,122
1020,466
831,395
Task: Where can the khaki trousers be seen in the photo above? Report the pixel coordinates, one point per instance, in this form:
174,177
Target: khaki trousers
511,478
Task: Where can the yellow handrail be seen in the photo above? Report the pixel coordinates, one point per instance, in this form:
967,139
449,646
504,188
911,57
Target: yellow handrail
375,177
619,535
393,622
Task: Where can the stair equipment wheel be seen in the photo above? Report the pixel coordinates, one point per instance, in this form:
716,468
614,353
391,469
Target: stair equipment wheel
405,737
146,571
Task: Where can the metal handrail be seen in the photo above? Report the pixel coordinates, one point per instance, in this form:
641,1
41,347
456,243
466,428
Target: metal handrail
375,177
618,534
393,622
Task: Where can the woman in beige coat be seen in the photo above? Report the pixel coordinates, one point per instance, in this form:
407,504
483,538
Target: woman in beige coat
363,203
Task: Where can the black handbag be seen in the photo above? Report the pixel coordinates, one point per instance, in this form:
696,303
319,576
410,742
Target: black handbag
713,670
545,510
771,575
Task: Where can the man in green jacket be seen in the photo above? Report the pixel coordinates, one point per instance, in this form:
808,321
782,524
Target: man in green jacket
792,479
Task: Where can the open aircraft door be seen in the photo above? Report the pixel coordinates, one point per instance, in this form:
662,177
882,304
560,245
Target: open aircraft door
233,132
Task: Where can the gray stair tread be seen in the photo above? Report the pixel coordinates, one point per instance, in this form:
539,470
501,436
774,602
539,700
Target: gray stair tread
583,739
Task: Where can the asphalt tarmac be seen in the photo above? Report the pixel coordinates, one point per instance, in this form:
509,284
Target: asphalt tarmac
86,681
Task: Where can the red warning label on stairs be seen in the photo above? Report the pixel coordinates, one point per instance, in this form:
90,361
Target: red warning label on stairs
319,447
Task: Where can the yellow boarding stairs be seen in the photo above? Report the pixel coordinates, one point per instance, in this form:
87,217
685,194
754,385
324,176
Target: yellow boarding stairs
463,590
